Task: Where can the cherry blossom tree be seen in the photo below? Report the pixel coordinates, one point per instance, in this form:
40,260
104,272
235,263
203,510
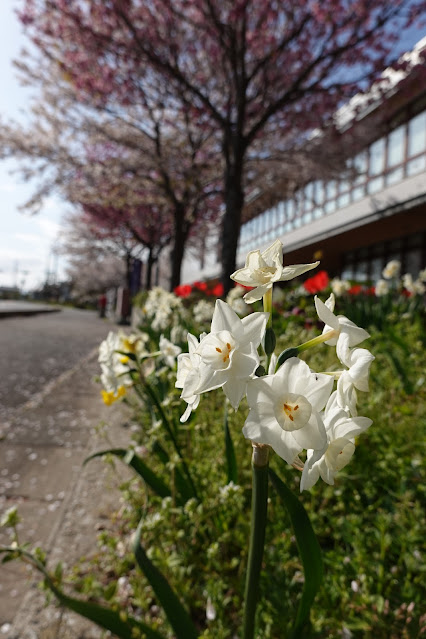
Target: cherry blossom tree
95,261
247,70
133,165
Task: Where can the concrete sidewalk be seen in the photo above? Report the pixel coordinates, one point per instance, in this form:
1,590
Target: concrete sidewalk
61,503
12,308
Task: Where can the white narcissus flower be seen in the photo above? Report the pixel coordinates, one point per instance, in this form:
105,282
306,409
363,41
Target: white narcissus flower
187,376
169,351
284,409
228,353
391,269
358,361
414,287
339,287
114,365
341,431
342,326
261,270
381,288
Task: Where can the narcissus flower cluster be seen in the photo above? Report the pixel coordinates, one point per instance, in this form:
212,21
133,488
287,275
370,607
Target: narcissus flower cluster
292,409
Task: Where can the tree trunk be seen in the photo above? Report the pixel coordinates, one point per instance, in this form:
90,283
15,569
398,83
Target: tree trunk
231,221
149,265
129,264
180,237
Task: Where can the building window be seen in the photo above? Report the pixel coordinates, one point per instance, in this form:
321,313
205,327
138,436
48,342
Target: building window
396,147
386,162
417,135
366,264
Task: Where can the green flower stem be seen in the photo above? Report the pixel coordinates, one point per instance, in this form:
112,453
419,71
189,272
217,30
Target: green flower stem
259,502
316,340
267,305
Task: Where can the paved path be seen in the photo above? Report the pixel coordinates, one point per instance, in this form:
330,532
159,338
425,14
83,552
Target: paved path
44,443
36,350
11,308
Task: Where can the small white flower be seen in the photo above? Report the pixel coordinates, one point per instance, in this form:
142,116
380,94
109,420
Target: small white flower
381,288
358,361
261,270
415,287
203,312
187,376
284,409
169,351
422,275
348,334
228,353
114,365
341,431
210,610
177,333
391,269
339,287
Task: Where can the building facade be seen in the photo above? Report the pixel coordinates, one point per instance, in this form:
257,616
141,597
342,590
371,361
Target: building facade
355,225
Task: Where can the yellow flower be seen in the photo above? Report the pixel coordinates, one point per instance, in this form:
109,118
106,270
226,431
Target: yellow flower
110,397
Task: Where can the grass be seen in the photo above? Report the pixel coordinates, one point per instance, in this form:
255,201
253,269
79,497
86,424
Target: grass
370,525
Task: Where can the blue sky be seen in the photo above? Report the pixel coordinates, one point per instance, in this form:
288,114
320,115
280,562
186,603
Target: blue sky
26,242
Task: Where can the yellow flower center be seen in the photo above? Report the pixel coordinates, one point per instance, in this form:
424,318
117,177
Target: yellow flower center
225,352
293,411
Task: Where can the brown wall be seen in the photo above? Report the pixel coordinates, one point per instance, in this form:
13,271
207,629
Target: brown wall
332,249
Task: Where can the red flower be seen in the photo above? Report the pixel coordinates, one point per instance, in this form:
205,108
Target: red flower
355,289
200,286
184,290
317,283
217,290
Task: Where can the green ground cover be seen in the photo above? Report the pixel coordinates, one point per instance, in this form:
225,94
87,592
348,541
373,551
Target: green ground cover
370,524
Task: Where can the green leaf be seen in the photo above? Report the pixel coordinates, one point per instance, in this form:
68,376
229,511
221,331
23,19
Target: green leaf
131,459
231,460
182,485
131,356
176,614
286,354
120,625
309,549
270,341
153,396
400,371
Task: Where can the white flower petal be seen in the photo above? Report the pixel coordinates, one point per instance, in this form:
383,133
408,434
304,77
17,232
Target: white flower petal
273,255
257,293
309,478
352,427
316,388
259,390
225,319
325,314
235,391
264,430
243,365
290,272
254,327
312,435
